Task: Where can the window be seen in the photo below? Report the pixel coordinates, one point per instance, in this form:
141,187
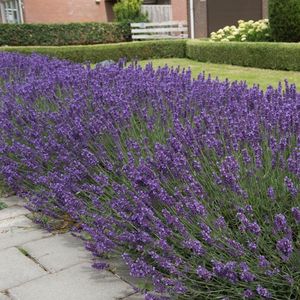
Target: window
11,11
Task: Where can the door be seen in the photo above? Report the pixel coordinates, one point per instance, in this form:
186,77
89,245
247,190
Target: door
221,13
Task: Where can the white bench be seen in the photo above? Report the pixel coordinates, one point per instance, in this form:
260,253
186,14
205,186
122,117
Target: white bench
162,30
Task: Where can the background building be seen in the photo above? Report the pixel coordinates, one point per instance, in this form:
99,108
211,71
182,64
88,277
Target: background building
210,15
66,11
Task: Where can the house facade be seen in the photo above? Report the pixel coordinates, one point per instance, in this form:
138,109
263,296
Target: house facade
66,11
206,16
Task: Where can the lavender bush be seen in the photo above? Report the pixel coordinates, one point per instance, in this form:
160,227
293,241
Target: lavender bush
195,183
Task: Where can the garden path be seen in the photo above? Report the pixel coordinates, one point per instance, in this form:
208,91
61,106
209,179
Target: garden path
38,265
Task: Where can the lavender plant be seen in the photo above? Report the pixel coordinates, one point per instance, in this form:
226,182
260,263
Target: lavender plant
194,183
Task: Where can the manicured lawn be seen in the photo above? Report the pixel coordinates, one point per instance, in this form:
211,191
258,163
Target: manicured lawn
262,77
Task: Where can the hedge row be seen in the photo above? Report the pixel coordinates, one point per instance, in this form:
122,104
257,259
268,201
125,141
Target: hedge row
97,53
278,56
63,34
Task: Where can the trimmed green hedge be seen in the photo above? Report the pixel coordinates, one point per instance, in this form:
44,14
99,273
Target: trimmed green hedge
97,53
63,34
280,56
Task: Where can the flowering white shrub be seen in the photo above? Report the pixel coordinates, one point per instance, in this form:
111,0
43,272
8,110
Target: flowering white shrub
249,31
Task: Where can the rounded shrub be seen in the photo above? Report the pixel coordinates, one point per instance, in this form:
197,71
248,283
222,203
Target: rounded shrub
246,31
129,11
285,20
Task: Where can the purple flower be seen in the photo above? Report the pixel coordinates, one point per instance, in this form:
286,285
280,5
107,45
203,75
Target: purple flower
252,246
290,186
263,292
246,156
195,246
248,294
100,265
203,273
296,214
263,262
227,270
280,223
220,223
247,276
285,248
271,193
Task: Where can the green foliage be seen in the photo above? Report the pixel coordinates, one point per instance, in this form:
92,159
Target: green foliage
2,205
284,18
97,53
279,56
127,11
62,34
249,31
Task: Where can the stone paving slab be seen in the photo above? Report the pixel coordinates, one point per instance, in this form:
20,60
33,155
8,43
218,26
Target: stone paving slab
12,212
18,222
12,201
18,235
58,252
16,268
4,297
76,283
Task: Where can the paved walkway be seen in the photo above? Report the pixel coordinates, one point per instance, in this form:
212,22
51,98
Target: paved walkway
38,265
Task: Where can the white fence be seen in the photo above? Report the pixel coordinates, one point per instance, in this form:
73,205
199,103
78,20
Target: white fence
158,13
162,30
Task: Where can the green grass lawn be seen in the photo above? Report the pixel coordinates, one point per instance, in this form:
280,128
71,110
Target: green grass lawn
262,77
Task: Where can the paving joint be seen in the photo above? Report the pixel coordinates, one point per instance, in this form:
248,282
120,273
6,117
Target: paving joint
128,296
6,294
27,254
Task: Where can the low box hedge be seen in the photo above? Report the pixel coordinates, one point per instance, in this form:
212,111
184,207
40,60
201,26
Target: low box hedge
97,53
279,56
63,34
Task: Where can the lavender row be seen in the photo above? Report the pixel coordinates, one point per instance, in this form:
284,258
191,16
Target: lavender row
194,183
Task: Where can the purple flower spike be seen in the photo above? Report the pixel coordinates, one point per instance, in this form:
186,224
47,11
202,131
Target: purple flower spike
248,294
203,273
263,292
271,193
296,214
290,186
285,247
280,223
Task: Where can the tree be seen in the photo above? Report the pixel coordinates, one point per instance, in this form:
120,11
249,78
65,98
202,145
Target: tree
127,11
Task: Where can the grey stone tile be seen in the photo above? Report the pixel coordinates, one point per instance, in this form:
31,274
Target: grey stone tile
16,268
76,283
4,297
58,252
17,222
21,231
12,212
13,200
